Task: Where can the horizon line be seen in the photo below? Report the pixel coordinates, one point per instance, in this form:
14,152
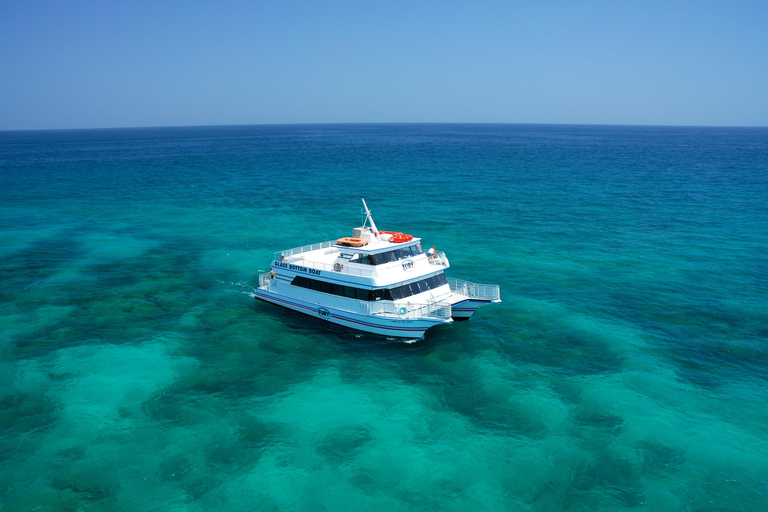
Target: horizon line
414,123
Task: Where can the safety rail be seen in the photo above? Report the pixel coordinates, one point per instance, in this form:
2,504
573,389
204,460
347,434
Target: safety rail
439,258
293,257
287,254
265,279
407,311
340,269
474,290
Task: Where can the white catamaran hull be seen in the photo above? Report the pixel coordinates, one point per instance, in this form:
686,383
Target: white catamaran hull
377,324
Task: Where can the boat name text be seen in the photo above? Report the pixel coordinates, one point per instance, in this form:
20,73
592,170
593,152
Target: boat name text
297,268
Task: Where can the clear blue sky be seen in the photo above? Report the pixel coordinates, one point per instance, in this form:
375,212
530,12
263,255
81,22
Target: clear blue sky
81,64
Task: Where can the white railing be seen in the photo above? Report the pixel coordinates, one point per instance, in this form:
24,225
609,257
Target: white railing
474,290
293,257
319,265
438,259
407,311
265,279
287,254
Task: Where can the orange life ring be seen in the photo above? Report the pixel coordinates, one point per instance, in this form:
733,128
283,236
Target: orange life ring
353,242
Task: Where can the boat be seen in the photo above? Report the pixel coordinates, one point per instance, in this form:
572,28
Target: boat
381,282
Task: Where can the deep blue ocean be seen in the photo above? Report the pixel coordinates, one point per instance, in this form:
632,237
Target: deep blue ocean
625,369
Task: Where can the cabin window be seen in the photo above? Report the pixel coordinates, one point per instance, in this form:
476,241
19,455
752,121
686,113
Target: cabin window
352,292
363,259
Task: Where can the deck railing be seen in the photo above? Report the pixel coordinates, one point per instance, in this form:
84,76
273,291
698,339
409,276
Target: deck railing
474,290
294,257
407,311
439,259
264,279
289,253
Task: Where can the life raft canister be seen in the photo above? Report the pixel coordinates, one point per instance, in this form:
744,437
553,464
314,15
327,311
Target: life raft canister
353,242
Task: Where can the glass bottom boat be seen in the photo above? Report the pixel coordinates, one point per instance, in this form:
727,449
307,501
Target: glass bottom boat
380,282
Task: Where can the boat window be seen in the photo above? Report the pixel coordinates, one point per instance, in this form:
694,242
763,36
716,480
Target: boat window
417,248
363,259
400,292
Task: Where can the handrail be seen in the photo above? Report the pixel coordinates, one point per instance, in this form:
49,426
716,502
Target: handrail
288,253
439,258
408,310
265,278
319,265
293,256
475,290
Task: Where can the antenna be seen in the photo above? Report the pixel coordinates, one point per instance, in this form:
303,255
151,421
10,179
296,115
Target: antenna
373,224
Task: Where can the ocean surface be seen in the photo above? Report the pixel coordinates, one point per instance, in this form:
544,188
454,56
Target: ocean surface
625,369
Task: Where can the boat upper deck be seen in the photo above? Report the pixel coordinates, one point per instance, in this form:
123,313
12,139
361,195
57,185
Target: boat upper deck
373,260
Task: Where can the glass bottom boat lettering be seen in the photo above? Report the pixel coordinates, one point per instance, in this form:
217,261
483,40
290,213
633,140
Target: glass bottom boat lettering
380,282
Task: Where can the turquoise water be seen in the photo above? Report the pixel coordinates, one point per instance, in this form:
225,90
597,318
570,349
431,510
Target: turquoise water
627,367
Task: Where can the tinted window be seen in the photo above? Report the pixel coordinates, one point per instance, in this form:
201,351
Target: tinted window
397,293
363,259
